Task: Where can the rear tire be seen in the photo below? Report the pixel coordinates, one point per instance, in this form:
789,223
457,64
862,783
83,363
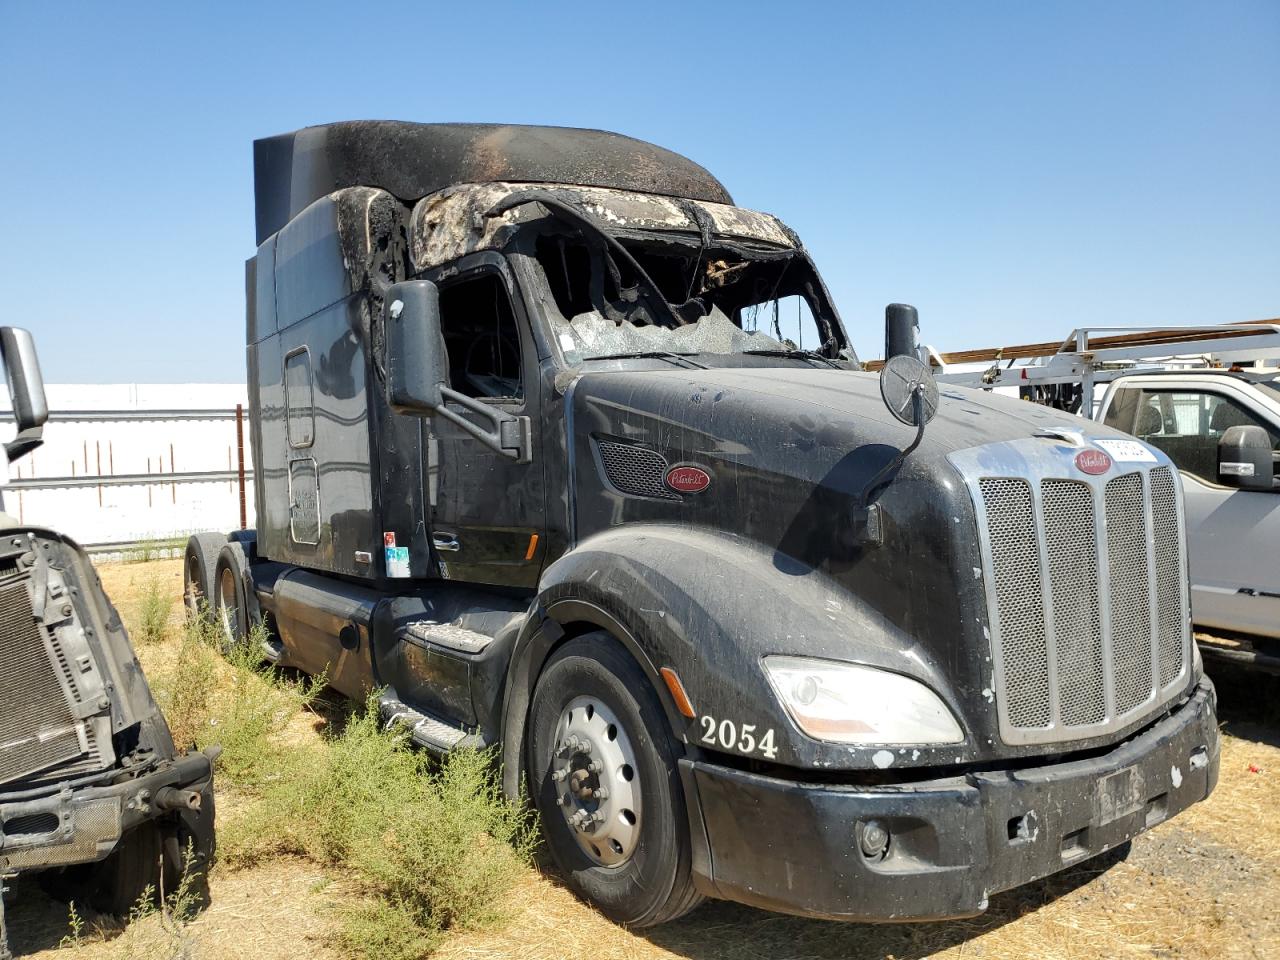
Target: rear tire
230,604
198,577
633,860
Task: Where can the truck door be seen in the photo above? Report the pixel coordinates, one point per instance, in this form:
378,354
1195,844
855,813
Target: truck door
1231,533
486,510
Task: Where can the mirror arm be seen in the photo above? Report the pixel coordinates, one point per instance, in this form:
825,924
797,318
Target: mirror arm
509,435
890,468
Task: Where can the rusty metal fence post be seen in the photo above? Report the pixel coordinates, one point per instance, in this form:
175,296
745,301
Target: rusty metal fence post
244,513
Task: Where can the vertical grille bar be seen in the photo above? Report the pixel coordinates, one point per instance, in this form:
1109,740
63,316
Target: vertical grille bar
1171,611
1011,526
1073,573
1130,600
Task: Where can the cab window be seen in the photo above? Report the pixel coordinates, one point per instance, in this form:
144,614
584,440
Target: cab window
481,337
1187,425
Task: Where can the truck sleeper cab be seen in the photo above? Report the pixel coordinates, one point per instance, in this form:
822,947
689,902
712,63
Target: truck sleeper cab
565,454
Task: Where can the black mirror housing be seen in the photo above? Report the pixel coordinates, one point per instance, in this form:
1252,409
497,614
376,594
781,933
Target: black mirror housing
26,390
1245,459
417,363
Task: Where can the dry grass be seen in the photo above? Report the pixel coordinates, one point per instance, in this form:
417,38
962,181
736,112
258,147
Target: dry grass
1206,885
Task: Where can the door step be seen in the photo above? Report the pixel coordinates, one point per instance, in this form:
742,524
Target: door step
448,635
430,732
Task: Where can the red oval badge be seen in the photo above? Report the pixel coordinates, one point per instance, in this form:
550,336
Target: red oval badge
686,479
1093,462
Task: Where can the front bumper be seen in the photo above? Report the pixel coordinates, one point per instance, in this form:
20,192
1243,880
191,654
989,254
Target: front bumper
796,847
84,824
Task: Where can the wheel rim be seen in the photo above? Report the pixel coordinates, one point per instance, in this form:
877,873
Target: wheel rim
596,780
226,605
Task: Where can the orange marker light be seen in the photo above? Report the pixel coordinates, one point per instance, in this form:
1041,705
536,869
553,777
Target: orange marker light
677,692
533,546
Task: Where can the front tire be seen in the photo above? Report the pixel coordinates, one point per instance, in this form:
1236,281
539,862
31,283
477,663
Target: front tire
596,723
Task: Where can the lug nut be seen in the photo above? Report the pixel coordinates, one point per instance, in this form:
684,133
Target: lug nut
602,793
594,767
875,840
558,775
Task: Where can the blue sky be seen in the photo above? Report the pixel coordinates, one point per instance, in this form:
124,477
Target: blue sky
1013,169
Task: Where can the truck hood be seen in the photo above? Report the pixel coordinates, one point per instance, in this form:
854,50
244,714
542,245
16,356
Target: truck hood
788,453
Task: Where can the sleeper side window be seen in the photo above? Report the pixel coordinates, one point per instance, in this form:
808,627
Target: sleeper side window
482,338
299,399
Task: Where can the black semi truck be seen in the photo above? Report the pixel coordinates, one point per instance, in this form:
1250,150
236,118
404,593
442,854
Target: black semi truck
566,455
95,798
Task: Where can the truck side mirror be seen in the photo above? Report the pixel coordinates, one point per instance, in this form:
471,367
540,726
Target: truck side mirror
1245,459
416,360
26,390
417,363
901,331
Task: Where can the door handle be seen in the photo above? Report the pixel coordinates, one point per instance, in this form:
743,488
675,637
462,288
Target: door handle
446,541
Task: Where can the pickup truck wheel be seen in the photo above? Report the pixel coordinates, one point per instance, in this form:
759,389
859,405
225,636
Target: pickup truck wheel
198,576
230,607
602,765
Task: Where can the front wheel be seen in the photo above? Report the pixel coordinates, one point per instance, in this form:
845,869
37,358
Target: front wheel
602,767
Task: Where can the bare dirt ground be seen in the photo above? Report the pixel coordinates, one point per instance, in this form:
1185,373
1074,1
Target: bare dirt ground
1205,885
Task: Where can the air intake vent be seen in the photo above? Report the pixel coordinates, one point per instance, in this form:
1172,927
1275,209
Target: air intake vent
633,470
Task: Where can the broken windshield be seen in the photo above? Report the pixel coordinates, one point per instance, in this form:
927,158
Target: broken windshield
652,293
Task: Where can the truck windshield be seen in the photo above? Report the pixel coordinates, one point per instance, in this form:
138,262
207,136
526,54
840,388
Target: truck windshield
685,297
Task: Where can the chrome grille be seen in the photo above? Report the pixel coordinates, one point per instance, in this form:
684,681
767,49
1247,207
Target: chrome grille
1086,589
635,470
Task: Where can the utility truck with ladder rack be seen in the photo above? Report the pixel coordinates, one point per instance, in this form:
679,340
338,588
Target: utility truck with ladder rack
1209,398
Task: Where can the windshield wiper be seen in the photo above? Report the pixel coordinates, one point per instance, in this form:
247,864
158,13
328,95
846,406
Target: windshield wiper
681,359
799,354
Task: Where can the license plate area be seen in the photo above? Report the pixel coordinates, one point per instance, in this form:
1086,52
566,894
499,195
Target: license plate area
1120,794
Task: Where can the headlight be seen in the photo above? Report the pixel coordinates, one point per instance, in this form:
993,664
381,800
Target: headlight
849,703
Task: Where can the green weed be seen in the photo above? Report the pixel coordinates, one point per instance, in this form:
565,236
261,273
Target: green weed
152,613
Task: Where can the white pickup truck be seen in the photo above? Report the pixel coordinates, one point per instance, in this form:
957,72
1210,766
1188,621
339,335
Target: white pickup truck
1222,430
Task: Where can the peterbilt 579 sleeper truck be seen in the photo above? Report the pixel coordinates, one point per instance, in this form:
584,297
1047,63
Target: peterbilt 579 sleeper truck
567,455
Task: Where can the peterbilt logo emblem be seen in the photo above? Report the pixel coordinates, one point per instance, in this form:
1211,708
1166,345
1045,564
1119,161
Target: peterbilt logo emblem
1093,462
687,479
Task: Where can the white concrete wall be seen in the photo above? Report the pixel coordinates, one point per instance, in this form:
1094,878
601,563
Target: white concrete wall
151,441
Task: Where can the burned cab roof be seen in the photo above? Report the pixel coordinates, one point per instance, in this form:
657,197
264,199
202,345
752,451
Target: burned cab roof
413,160
458,220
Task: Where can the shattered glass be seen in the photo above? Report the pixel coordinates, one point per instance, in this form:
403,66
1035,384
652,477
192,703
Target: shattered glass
591,335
